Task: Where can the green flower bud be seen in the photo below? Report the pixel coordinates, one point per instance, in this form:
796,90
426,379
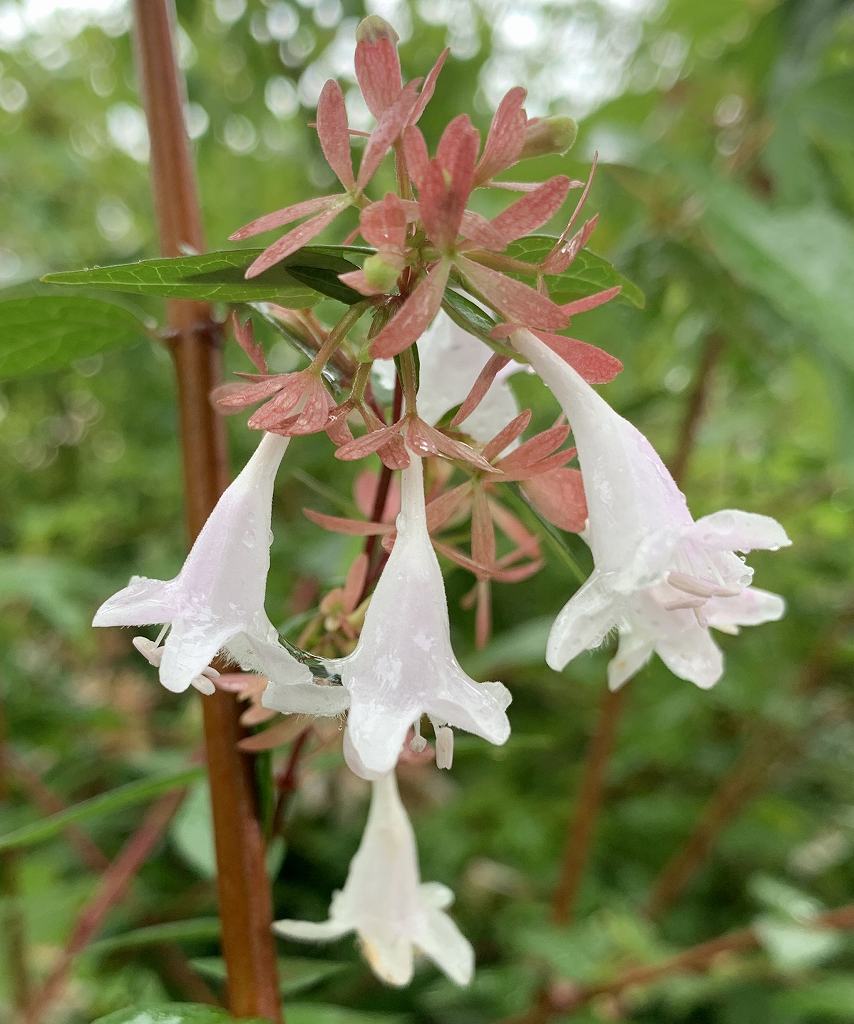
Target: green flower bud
379,273
549,135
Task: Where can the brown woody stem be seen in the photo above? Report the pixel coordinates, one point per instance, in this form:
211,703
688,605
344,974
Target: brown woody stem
244,892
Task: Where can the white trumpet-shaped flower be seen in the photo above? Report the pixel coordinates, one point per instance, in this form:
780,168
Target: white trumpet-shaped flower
660,578
403,666
216,602
386,904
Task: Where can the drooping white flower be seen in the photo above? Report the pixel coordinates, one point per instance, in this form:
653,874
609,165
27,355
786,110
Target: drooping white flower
403,666
660,578
216,602
386,904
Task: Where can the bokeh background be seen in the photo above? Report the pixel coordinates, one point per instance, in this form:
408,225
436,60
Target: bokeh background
726,188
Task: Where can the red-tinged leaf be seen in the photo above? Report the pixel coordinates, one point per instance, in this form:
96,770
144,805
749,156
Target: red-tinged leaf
482,531
244,335
591,301
381,139
287,215
415,155
535,448
481,232
340,524
515,300
560,260
377,64
532,210
507,435
592,363
383,224
333,132
527,544
429,87
367,444
237,395
506,136
290,394
288,244
481,386
443,509
354,584
559,497
415,315
427,440
545,465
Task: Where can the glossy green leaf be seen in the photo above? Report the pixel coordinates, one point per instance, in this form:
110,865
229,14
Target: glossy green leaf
172,1013
296,973
40,333
296,283
114,800
589,272
197,930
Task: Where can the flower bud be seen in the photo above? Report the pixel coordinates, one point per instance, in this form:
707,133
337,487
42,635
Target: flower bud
380,273
373,28
549,135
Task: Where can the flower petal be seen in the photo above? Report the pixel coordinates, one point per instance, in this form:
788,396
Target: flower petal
559,496
339,524
289,243
415,154
583,622
236,395
188,650
516,300
143,602
314,699
691,654
429,87
751,607
287,215
381,139
633,652
591,301
440,939
734,530
590,362
447,182
244,335
506,136
311,931
383,224
377,63
531,211
333,132
415,315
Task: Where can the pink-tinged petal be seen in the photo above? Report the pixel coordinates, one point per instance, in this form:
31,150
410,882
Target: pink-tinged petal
288,244
383,224
518,573
354,584
377,63
340,524
592,363
393,454
415,315
429,87
415,154
313,416
367,444
482,384
482,531
337,426
280,218
426,440
507,435
365,493
355,279
290,394
545,465
244,335
477,229
559,497
526,542
536,448
561,259
518,301
443,509
448,180
524,186
482,614
591,301
532,210
455,555
506,136
237,395
385,134
332,130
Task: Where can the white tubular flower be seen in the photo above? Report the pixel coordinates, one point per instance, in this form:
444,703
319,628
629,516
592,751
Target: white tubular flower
403,666
216,602
385,903
660,578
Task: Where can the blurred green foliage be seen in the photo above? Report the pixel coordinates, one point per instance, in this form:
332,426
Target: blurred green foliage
726,191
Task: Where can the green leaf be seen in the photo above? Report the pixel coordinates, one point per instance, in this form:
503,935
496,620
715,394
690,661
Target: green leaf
472,318
48,332
173,1013
589,272
199,929
219,276
316,1013
105,803
296,973
192,831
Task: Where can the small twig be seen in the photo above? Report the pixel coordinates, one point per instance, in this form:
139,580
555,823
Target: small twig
713,346
565,996
112,886
287,781
764,748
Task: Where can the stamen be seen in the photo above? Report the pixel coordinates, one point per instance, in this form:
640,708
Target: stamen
699,587
162,634
444,747
686,602
417,744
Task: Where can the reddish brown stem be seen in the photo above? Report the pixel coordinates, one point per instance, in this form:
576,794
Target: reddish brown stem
12,926
765,747
713,346
565,997
111,888
244,893
287,781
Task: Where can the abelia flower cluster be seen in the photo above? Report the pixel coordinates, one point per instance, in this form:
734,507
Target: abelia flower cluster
456,464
